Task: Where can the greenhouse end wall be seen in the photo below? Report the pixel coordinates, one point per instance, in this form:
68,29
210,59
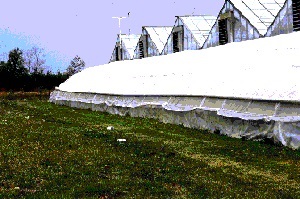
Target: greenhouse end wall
125,53
242,28
151,47
210,113
113,56
283,22
189,42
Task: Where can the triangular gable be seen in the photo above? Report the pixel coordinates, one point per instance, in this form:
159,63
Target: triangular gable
130,42
260,13
199,26
113,55
287,20
159,35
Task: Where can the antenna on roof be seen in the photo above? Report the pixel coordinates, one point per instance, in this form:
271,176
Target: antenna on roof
193,11
119,21
128,17
119,28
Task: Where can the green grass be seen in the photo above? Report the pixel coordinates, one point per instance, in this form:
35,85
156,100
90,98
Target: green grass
51,151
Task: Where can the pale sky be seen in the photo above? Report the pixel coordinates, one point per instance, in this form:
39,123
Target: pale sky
66,28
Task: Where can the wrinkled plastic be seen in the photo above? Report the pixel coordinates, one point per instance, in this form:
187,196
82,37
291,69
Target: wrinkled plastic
280,121
260,69
243,89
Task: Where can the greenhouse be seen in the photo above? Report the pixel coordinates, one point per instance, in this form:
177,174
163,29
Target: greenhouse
152,41
287,20
189,33
257,98
243,20
125,46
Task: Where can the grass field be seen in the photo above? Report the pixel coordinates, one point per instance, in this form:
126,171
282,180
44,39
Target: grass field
50,151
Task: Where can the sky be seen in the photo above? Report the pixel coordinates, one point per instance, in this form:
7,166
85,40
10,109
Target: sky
68,28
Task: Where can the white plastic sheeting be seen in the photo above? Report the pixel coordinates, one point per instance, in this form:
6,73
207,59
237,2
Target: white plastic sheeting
262,69
246,89
159,35
260,13
236,118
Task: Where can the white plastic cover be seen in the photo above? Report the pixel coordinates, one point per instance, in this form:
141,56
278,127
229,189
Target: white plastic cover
247,89
262,69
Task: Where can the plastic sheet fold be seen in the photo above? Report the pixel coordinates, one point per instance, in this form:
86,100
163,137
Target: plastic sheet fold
251,119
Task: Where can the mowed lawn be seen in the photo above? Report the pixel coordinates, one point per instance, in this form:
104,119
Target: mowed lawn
51,151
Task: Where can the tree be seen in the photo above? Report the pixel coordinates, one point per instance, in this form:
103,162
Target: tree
14,71
15,62
2,75
34,60
76,65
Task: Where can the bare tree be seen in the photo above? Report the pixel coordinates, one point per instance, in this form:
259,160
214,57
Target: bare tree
76,65
28,60
34,60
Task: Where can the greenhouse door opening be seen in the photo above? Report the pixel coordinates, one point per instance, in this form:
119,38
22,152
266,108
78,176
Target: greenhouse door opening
141,48
177,39
117,53
223,34
296,14
175,42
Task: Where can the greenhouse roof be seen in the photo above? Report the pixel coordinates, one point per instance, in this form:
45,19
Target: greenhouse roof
260,13
159,35
130,42
199,26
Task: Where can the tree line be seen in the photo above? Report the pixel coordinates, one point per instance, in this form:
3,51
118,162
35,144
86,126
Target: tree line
26,71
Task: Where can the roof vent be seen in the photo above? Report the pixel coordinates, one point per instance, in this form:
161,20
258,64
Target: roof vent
117,53
224,24
296,14
223,34
141,48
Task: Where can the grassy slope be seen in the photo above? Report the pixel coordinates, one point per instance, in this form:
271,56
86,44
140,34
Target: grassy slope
50,151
